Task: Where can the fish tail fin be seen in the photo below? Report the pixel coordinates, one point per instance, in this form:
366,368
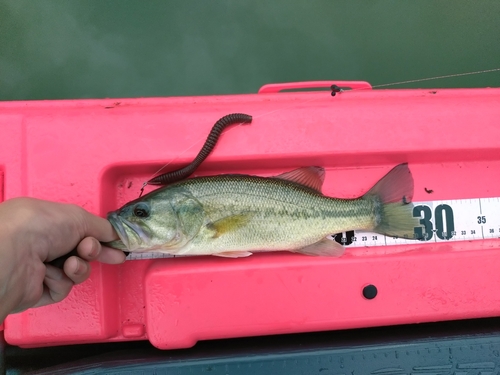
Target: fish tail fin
393,208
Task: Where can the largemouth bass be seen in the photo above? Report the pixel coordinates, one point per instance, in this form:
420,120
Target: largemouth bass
237,215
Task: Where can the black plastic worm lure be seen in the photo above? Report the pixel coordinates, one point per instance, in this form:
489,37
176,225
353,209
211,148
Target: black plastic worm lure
213,137
180,174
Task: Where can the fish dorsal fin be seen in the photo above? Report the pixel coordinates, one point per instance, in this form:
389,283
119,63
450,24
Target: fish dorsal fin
312,177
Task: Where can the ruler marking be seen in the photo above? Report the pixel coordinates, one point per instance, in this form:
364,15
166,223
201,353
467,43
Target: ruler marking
480,208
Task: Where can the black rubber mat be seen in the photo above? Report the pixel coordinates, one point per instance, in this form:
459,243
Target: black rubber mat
454,348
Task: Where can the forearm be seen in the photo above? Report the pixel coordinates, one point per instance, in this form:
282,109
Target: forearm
7,300
7,305
13,271
8,297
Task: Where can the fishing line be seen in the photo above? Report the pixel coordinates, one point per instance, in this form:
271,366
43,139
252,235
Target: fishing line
438,77
334,90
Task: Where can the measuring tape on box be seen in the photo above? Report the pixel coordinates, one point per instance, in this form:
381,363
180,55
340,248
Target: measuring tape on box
441,221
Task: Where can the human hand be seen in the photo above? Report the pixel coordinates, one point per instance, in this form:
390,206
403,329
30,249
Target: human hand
34,232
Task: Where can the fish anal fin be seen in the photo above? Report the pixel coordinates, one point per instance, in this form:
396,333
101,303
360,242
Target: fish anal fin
325,248
228,224
233,254
312,177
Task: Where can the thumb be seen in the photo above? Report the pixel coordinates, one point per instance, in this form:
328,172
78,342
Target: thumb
83,224
97,227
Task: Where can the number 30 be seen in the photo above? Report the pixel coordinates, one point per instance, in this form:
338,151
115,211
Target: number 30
439,221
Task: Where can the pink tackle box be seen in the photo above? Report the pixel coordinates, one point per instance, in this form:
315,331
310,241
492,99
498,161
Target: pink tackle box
97,154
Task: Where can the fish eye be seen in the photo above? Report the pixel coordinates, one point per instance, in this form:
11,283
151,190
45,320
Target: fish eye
141,210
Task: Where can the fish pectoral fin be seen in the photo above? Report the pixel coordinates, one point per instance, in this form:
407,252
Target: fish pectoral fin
311,177
233,254
325,248
228,224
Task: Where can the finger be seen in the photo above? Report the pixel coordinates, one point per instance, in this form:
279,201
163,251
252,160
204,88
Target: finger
97,227
57,286
111,256
90,249
76,269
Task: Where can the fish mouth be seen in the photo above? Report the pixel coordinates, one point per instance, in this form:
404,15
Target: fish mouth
119,224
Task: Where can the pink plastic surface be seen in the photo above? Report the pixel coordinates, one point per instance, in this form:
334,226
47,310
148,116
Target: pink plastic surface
97,153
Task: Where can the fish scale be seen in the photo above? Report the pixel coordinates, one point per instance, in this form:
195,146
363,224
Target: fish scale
279,209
